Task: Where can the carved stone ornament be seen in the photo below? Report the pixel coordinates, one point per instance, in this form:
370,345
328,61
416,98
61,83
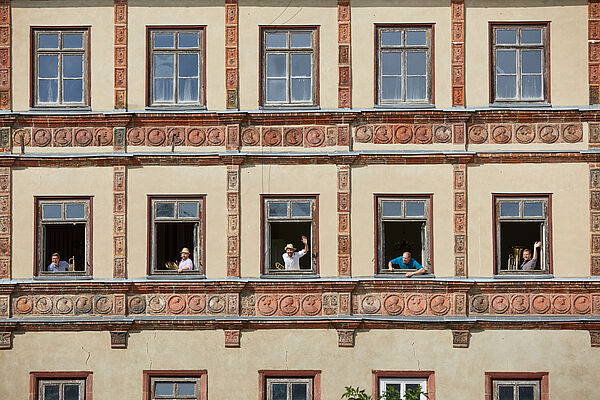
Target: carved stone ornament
232,338
364,134
403,134
393,304
479,303
460,339
478,134
118,339
346,337
196,304
196,136
595,338
5,340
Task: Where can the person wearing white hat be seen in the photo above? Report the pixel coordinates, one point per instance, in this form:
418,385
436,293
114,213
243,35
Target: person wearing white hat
186,263
291,257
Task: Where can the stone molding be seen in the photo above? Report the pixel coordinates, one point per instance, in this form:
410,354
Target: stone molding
460,339
118,339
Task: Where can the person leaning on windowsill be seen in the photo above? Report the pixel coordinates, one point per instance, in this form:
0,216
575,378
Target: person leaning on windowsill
57,265
291,257
530,263
407,262
186,263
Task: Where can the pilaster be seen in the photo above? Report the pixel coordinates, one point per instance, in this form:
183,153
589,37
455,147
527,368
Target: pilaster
120,54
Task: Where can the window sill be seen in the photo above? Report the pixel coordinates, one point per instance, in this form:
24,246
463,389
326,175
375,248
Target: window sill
176,107
57,276
534,275
288,108
402,275
176,276
61,108
290,276
400,106
519,104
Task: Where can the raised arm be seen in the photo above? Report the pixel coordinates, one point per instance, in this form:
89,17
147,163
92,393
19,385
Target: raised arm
536,245
305,241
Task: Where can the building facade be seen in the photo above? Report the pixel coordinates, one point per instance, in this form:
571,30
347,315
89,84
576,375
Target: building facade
464,132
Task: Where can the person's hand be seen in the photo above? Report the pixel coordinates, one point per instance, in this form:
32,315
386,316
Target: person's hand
409,274
179,270
304,240
538,244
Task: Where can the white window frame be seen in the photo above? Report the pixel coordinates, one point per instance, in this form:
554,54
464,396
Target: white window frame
175,380
42,383
383,382
289,381
516,384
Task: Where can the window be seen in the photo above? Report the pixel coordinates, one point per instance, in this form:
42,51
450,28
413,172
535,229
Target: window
516,390
175,224
290,385
520,63
403,225
286,221
402,385
176,65
175,385
61,67
289,67
60,385
404,64
521,222
64,228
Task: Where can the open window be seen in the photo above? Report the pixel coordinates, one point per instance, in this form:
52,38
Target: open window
175,224
521,222
285,221
403,225
64,236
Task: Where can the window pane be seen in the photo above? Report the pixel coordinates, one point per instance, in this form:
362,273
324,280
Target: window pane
48,90
276,65
505,393
73,90
48,66
391,88
301,65
279,391
75,211
509,209
391,38
394,388
276,40
506,61
72,66
532,86
52,211
188,89
412,386
164,65
163,89
277,209
164,40
48,41
506,86
299,391
188,65
51,392
506,36
531,61
416,88
531,36
391,63
71,392
301,39
391,208
188,210
163,389
533,209
416,63
301,209
73,41
276,90
188,39
165,210
416,38
415,209
186,389
301,89
525,392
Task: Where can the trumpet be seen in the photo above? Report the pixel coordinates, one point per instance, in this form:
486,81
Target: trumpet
171,265
72,264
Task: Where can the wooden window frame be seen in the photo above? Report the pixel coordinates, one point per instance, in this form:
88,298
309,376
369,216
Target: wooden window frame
315,80
265,375
380,266
541,377
39,259
546,76
36,378
201,29
86,95
429,376
430,48
313,241
546,238
201,376
201,257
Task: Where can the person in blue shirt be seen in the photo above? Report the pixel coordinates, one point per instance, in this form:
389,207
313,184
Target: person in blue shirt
407,262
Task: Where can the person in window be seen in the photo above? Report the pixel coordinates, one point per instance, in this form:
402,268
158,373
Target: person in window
407,262
291,257
57,265
529,263
186,263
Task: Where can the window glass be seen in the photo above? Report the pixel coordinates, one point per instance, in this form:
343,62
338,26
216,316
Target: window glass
71,392
301,40
188,39
164,389
276,65
276,40
391,38
509,209
526,393
48,66
506,393
73,66
392,208
531,36
186,389
165,210
299,391
164,40
301,209
533,209
52,211
73,41
415,208
277,209
416,38
75,211
391,63
188,210
51,392
506,36
48,41
279,391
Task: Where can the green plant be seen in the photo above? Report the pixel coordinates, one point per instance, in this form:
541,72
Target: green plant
390,394
355,394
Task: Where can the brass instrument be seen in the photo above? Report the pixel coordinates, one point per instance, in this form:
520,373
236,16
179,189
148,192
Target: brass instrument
72,264
171,265
279,265
515,257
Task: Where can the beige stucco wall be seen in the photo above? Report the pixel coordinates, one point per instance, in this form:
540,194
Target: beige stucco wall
252,14
152,180
118,373
366,13
27,183
319,180
207,13
401,179
568,184
99,15
568,46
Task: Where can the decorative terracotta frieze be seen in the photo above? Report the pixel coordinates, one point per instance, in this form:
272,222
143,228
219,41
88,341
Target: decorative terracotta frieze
458,53
530,303
594,50
5,55
594,219
344,54
460,219
460,339
295,136
120,54
344,173
233,221
509,133
6,340
404,133
177,136
118,339
5,222
346,337
231,54
232,338
119,222
595,338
